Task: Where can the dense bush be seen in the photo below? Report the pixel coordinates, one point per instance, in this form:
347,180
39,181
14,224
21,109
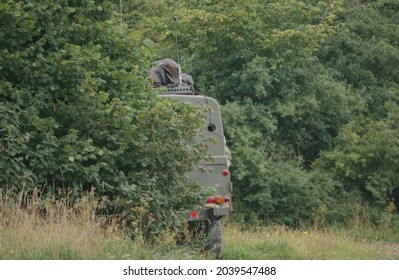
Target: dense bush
77,112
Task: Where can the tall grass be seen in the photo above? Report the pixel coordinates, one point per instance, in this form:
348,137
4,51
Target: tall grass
34,229
31,228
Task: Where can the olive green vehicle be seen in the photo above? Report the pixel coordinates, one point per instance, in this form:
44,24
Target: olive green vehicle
213,173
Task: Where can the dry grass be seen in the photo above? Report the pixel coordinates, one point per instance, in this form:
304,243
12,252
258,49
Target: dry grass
34,229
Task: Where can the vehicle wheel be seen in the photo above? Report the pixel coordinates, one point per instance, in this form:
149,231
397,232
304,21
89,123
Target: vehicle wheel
214,237
211,231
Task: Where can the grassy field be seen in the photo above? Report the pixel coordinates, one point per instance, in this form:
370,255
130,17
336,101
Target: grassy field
279,243
65,233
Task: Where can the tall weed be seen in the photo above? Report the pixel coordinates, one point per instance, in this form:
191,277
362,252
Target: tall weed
31,228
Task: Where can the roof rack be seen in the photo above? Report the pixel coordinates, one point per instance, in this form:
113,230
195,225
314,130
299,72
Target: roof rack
182,90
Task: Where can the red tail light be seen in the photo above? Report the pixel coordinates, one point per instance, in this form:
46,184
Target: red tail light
218,199
194,214
211,199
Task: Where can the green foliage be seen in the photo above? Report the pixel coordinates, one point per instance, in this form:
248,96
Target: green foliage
77,112
295,78
269,185
266,53
364,53
309,92
365,160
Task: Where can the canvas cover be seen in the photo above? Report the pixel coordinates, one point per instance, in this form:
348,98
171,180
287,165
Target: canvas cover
166,73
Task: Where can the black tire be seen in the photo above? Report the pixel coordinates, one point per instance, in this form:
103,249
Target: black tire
212,232
214,238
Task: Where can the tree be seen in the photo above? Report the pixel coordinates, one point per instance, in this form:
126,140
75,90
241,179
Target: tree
77,111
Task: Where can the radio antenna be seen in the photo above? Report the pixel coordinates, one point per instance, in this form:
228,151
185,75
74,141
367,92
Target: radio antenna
121,11
177,49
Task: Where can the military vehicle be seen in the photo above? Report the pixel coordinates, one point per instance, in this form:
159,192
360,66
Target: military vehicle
213,173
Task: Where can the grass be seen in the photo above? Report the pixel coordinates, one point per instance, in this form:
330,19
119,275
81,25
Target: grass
280,243
65,233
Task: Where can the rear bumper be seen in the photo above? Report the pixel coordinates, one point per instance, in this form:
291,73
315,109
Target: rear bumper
208,213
